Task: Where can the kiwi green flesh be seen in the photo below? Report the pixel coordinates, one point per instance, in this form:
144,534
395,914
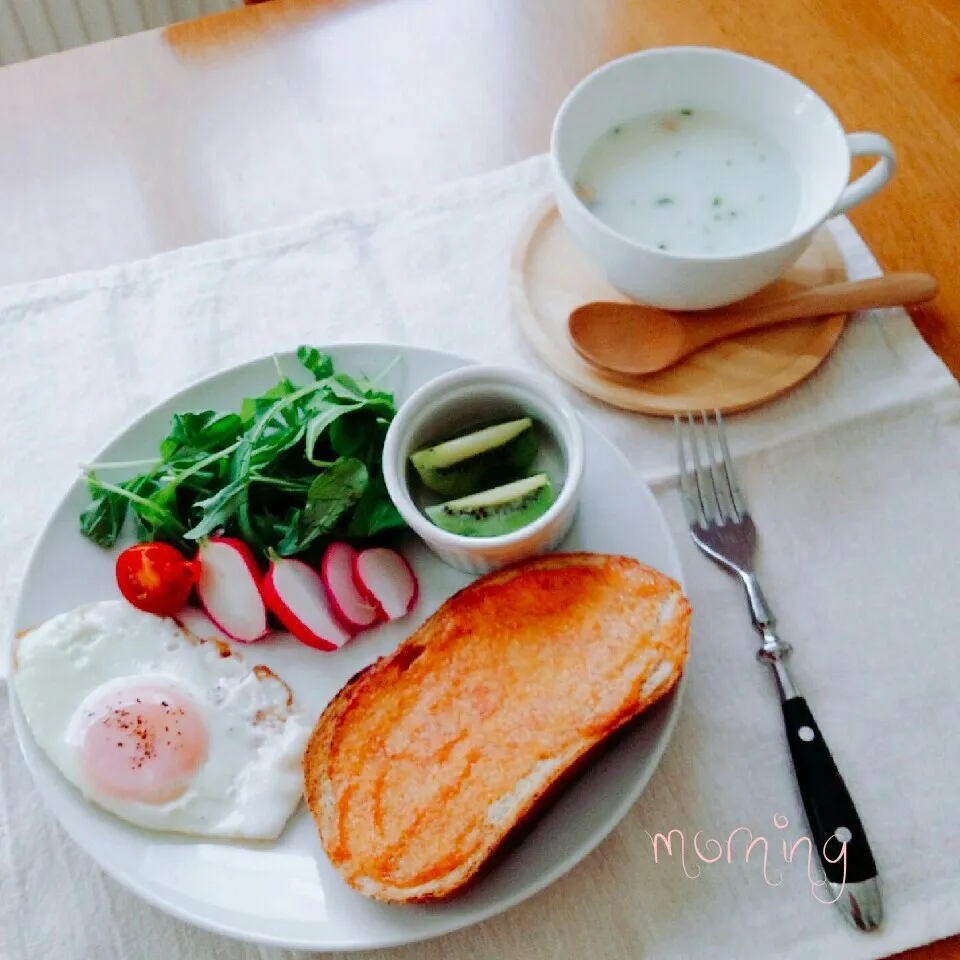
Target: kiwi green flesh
496,512
493,457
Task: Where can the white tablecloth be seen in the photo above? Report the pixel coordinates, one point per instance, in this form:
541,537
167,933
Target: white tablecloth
853,481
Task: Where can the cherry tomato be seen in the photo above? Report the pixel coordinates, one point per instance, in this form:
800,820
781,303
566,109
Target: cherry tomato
155,577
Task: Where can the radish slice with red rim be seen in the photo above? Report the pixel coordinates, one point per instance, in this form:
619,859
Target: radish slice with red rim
383,576
229,589
349,604
296,596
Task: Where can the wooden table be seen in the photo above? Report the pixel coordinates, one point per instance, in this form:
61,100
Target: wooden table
251,118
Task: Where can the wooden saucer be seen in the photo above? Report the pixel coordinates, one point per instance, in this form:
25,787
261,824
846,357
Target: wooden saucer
550,277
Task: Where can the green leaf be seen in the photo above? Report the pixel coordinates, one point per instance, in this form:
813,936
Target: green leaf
164,496
163,526
384,401
333,403
248,411
344,387
202,480
282,527
375,512
252,408
350,436
217,511
381,516
319,364
169,448
298,485
330,496
283,388
335,490
191,471
266,409
271,529
328,414
277,408
103,520
273,444
239,468
206,430
150,515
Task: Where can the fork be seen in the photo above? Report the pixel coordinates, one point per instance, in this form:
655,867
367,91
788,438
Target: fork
722,528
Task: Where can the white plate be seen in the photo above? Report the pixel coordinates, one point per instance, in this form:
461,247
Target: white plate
287,894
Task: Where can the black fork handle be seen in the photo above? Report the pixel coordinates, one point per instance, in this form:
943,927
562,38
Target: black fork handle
835,825
836,830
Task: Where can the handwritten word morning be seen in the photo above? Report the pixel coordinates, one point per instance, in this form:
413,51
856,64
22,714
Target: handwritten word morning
710,850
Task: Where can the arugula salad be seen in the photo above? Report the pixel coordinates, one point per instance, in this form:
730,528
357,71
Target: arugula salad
292,469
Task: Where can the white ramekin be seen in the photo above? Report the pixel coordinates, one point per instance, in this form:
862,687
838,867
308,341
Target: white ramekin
455,401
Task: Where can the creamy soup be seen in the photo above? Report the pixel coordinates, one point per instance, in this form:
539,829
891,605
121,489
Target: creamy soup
691,181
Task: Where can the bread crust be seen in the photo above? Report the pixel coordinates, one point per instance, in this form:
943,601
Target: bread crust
561,653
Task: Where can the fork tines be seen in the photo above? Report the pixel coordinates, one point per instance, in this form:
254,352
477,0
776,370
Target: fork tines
708,482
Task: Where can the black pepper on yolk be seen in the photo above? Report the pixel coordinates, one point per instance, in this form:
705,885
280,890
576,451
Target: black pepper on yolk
144,745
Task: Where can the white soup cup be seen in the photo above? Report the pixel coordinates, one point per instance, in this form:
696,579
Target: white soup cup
746,90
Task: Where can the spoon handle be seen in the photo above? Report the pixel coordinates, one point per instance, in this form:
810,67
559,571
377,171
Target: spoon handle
894,290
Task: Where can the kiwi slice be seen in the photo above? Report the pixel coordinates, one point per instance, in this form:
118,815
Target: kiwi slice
478,460
495,512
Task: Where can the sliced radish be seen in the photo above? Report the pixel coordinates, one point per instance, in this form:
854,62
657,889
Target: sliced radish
229,589
295,595
348,603
385,578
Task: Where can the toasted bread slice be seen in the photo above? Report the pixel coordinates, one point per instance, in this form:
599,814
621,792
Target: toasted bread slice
425,763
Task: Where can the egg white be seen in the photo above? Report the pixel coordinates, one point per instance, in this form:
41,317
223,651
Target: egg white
251,780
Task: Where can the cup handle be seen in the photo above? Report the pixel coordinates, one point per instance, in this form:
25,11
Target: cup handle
860,145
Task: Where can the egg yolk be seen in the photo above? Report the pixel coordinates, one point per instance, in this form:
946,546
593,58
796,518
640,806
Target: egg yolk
144,745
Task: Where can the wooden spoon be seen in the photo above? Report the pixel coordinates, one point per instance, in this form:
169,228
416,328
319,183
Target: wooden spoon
633,339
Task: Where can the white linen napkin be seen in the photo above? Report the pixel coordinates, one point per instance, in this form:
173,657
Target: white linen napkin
851,477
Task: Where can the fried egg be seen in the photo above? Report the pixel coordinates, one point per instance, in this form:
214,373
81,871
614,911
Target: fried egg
164,729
